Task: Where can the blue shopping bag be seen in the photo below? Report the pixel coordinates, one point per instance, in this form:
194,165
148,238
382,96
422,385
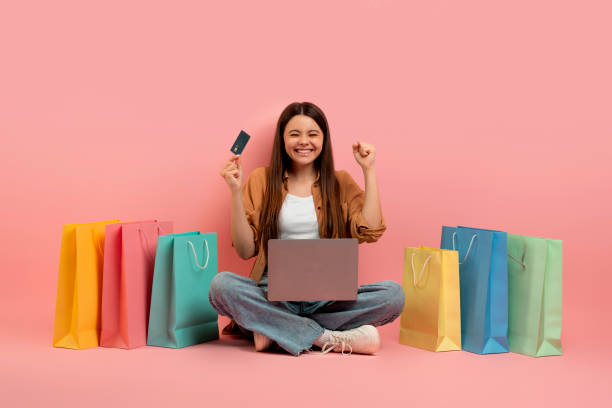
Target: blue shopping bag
180,313
483,276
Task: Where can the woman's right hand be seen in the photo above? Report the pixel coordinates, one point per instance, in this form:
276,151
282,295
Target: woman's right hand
232,173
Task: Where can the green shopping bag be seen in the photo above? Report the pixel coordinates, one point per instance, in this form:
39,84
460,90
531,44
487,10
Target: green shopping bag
180,313
534,295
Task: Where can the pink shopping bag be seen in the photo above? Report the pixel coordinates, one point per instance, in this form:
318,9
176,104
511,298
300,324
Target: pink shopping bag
129,259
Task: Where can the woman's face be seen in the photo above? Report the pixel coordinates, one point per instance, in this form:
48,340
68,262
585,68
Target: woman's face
303,139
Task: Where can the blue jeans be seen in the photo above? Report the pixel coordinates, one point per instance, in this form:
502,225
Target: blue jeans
295,325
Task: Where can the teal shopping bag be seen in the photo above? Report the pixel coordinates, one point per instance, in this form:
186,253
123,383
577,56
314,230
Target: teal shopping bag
534,295
180,313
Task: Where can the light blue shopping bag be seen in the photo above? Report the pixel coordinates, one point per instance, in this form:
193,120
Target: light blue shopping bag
483,276
180,313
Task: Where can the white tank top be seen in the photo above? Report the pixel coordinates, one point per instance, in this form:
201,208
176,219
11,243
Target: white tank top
298,219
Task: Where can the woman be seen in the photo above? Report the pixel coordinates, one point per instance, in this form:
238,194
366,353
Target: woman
301,196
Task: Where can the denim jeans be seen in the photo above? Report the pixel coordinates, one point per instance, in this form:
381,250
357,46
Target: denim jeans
295,325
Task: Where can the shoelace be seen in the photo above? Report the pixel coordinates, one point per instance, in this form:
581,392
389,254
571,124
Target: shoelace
337,339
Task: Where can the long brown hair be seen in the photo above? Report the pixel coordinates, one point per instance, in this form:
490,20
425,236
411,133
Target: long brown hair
334,227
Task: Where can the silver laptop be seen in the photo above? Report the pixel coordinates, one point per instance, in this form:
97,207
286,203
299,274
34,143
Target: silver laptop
312,269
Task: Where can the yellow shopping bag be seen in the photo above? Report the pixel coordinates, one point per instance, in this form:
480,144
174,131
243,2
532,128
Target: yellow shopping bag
431,319
77,307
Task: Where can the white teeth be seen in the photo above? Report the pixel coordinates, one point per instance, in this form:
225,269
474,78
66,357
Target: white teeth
303,151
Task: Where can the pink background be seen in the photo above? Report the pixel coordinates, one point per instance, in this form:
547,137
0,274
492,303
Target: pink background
484,113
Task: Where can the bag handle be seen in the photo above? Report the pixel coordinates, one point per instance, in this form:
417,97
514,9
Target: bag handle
146,246
195,256
522,261
469,247
414,282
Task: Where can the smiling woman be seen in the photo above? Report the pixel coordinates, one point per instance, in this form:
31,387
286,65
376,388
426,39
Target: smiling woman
301,195
301,155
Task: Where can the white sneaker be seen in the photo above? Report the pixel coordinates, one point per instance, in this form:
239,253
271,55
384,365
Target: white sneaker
262,342
362,340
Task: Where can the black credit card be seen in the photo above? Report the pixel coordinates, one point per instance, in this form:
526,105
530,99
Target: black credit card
240,142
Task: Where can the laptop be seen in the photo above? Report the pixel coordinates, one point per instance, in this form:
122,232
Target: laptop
312,269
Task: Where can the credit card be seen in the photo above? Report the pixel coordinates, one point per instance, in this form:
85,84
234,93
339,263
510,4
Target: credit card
240,142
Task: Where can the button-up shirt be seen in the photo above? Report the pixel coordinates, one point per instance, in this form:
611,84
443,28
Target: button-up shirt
351,202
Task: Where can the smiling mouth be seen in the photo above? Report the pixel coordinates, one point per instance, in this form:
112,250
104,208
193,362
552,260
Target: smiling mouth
303,152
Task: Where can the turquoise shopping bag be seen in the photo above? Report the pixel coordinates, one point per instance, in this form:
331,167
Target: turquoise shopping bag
483,278
180,313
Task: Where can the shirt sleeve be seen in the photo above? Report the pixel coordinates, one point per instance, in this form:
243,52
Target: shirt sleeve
252,196
355,198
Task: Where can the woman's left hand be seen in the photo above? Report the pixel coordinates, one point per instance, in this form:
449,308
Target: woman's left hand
364,154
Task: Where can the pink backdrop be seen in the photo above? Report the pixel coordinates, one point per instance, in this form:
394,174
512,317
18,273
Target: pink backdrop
488,114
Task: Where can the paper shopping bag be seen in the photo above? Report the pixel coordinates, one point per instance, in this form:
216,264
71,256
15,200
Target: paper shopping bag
181,314
431,318
534,295
77,307
129,258
483,272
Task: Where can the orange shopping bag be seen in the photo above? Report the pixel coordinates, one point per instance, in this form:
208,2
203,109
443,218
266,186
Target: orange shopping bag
77,308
